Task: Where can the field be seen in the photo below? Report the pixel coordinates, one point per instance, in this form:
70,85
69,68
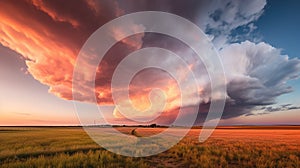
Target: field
227,147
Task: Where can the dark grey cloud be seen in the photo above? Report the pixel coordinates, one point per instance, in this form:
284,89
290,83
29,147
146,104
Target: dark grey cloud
273,108
284,107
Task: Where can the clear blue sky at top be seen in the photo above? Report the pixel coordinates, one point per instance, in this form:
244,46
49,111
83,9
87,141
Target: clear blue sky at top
280,26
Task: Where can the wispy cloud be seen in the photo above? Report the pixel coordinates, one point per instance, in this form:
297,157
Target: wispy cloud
23,114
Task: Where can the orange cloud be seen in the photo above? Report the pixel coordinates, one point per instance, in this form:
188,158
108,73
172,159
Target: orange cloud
41,5
50,37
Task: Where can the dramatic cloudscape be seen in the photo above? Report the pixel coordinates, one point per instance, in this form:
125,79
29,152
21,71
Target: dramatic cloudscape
256,41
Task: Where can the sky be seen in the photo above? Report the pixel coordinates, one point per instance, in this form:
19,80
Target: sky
257,42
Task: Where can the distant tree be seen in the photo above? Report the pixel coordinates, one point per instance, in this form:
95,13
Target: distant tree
153,125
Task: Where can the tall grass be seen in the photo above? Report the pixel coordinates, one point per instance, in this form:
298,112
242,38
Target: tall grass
72,147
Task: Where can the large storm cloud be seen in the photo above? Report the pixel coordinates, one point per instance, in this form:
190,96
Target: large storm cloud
49,36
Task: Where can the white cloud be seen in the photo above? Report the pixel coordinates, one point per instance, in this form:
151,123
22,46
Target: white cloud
257,73
219,17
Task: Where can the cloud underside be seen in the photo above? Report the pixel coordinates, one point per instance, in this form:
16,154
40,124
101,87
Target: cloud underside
49,37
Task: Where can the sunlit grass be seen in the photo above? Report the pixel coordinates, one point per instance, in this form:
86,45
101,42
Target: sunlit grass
72,147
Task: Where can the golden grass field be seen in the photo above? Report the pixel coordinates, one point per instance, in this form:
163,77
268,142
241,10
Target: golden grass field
227,147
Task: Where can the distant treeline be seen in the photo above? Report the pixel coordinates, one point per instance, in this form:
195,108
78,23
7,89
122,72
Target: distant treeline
142,126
